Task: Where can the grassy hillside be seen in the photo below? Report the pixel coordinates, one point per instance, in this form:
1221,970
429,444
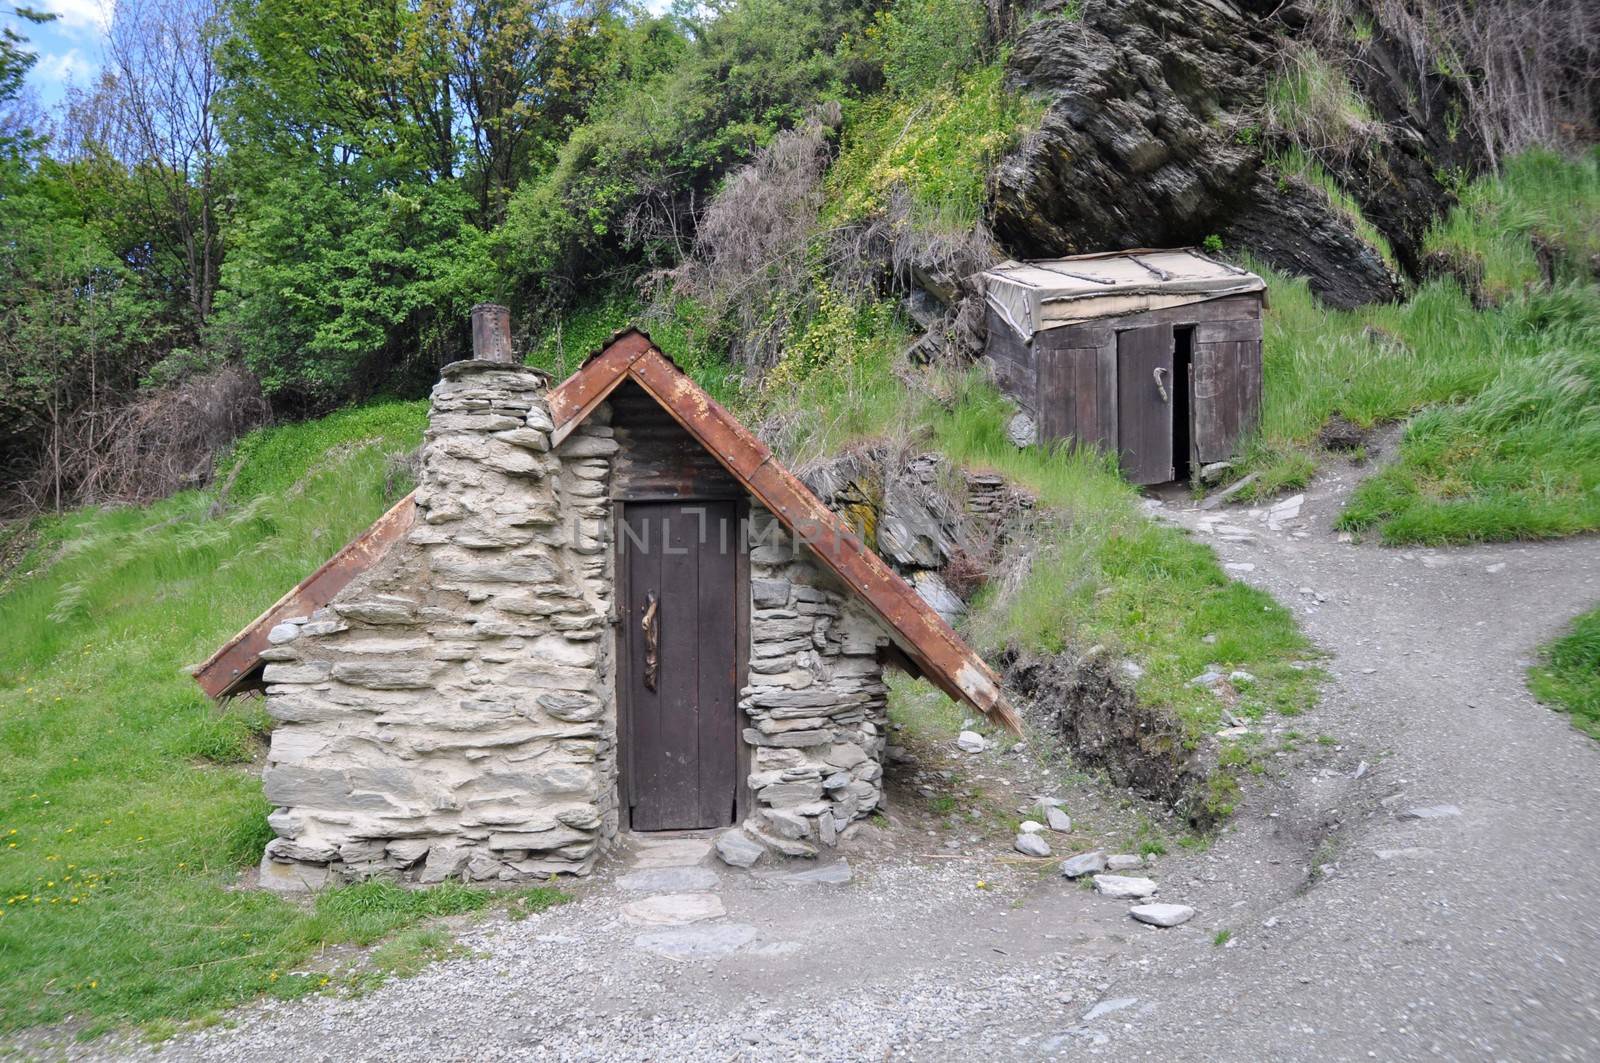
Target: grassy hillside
1509,446
126,811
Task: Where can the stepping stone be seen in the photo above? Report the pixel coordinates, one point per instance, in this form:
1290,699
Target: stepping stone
834,874
674,909
669,880
1106,1007
1057,820
1162,914
1124,862
1083,864
970,742
697,942
1124,888
1430,812
670,852
1031,826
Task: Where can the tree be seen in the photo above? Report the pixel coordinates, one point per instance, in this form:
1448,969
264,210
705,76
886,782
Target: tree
16,133
165,87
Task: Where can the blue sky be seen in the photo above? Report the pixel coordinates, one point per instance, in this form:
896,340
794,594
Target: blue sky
70,48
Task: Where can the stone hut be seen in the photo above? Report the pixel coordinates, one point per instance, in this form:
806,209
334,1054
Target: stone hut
606,607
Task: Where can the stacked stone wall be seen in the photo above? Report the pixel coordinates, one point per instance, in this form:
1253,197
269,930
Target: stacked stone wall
816,703
451,714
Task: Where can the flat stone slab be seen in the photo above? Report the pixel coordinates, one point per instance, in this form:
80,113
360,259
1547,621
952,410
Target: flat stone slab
674,909
1124,862
1431,812
1124,887
1106,1007
1162,914
670,852
1057,820
834,874
669,880
697,942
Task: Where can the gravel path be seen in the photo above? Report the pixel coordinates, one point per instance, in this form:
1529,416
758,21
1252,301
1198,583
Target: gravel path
1439,902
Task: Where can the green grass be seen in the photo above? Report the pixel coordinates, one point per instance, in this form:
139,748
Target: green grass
563,344
1567,676
1536,194
1312,104
936,145
124,818
1102,573
1503,445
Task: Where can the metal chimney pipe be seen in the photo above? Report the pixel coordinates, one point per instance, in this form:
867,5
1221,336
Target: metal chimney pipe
491,333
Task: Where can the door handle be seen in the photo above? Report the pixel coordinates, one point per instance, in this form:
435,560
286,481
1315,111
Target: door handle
652,636
1160,384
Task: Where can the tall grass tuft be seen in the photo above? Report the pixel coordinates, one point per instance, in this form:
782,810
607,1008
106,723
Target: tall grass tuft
1567,676
1538,195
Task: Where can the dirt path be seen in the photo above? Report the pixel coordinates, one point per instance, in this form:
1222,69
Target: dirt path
1438,903
1457,916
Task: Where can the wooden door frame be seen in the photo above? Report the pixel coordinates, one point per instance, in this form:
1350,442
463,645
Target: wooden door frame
621,594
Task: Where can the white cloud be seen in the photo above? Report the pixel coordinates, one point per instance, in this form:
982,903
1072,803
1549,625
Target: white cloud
63,67
81,14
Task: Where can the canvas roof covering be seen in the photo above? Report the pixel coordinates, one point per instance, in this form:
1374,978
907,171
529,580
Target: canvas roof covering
926,640
1048,293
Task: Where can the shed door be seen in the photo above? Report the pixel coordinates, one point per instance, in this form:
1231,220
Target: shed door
1145,385
679,682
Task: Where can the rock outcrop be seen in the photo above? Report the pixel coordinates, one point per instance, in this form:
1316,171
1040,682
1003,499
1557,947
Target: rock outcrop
1152,137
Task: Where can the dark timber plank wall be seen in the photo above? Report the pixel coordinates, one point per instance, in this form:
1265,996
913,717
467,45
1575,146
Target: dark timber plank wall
1013,364
1099,332
658,459
1066,378
1078,395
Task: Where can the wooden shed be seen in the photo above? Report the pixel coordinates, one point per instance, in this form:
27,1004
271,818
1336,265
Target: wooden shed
1154,354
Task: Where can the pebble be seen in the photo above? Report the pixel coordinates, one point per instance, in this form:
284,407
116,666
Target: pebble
1162,914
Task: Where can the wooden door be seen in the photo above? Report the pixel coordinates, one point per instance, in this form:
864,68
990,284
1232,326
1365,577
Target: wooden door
679,681
1145,384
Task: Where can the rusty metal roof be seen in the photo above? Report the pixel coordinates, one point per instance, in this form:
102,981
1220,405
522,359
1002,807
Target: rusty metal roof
918,630
236,667
930,644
